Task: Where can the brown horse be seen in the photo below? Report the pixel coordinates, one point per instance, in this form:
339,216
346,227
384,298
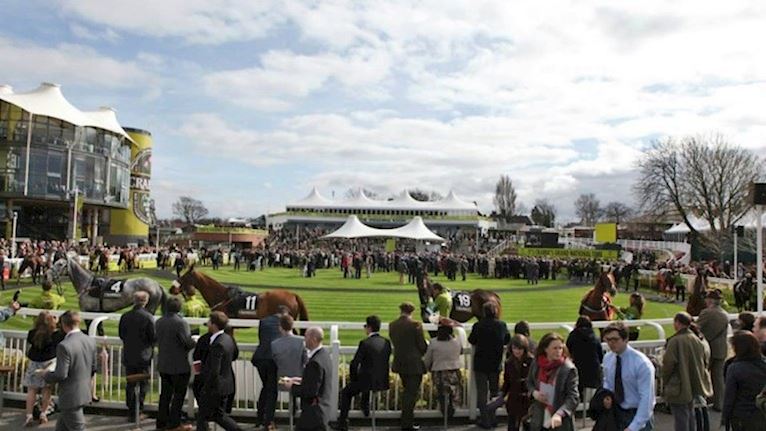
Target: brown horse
35,263
697,298
235,302
597,303
465,305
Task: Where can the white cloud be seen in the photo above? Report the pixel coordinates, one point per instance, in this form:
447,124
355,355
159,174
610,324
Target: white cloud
89,34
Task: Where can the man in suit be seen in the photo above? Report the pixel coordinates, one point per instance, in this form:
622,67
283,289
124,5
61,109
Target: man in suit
288,350
217,374
75,362
314,387
138,338
268,331
174,341
369,371
714,324
409,348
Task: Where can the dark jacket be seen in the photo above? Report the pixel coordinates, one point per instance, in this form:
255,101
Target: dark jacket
217,373
138,337
744,381
565,401
315,390
370,364
268,331
606,419
48,349
587,355
489,336
515,386
409,345
174,341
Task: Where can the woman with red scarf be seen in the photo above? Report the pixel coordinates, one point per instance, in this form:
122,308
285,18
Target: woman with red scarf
552,381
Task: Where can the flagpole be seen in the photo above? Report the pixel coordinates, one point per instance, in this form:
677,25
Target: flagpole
74,219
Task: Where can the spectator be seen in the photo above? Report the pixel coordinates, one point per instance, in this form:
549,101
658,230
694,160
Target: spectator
5,314
314,389
48,300
174,342
629,375
488,336
369,371
288,350
714,324
587,354
443,360
75,361
745,379
217,375
759,330
409,347
685,371
552,380
514,392
522,328
268,331
43,339
136,331
746,321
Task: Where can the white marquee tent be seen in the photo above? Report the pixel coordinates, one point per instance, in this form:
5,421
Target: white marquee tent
415,229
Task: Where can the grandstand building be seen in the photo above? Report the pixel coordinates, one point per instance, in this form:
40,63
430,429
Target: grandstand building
67,173
446,216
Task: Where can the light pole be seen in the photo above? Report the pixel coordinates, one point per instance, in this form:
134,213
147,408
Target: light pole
759,255
74,215
13,236
735,274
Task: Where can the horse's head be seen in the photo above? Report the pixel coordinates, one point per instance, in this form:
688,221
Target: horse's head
606,283
57,270
185,284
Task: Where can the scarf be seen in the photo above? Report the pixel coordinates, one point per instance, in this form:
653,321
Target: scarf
546,369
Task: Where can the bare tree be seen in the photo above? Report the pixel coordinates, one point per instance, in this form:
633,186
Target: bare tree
351,193
189,209
588,208
616,212
543,213
701,176
505,197
425,195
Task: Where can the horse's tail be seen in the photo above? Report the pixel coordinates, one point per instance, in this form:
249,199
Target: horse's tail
303,312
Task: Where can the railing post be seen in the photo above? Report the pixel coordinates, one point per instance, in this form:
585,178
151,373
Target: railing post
93,328
659,328
334,382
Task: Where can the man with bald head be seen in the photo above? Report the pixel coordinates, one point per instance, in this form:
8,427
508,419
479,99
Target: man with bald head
314,386
138,338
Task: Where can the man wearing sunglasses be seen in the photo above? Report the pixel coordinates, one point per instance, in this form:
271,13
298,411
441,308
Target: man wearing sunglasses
629,374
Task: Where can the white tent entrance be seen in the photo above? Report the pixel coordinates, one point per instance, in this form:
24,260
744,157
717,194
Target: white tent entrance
415,229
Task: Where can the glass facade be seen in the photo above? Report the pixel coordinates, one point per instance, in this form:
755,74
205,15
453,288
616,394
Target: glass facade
62,156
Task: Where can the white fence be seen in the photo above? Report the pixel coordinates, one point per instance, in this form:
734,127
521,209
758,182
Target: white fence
111,387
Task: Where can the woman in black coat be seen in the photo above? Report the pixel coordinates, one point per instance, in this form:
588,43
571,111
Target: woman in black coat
587,354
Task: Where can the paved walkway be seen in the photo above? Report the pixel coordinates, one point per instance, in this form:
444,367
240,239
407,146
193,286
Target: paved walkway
13,419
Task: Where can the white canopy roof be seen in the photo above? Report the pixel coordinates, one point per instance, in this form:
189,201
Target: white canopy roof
403,201
701,225
353,228
415,229
47,100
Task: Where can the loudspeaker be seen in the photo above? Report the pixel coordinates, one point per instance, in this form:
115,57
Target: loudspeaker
740,231
758,193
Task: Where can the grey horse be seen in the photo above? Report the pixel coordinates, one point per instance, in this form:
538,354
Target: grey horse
105,294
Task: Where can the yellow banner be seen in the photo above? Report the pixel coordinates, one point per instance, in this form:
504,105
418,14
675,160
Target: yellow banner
390,245
606,233
568,252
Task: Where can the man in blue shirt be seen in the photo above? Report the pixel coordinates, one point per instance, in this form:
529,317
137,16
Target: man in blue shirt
629,374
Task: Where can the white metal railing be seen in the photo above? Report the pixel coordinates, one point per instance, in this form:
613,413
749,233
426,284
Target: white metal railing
111,384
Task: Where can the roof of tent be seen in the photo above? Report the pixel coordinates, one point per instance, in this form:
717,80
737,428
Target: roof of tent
701,225
415,229
47,100
403,201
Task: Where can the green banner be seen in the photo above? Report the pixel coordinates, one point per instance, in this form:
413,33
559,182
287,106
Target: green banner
569,252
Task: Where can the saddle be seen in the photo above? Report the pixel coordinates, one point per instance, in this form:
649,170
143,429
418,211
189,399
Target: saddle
240,303
101,288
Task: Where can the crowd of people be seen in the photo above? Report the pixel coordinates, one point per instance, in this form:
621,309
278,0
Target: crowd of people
543,381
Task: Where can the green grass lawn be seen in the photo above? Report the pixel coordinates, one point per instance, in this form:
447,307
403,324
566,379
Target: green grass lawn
330,297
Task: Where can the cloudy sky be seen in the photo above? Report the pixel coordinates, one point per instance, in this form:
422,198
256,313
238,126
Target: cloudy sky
253,102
